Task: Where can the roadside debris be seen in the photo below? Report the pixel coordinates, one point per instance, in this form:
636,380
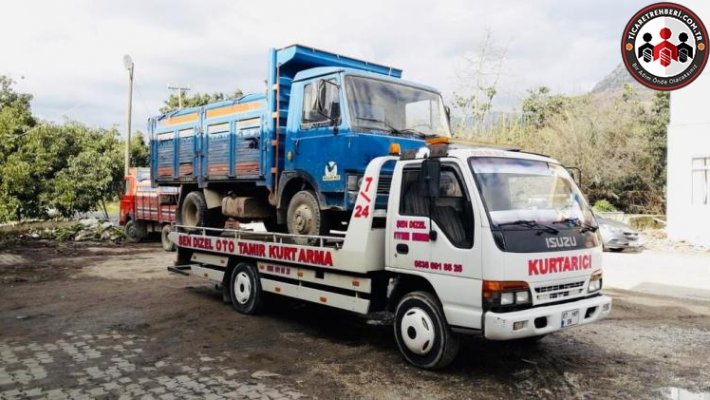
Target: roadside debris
87,229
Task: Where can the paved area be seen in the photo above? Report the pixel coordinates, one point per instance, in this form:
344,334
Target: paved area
113,365
677,274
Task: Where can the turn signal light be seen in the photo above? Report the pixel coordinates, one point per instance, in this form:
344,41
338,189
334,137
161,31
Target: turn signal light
438,140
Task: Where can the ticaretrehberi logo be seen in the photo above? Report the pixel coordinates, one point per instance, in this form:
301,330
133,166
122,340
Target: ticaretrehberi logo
665,46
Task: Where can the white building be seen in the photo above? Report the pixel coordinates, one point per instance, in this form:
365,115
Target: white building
688,197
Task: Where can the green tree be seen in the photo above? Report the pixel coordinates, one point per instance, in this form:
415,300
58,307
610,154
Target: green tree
15,116
68,168
139,151
196,100
540,106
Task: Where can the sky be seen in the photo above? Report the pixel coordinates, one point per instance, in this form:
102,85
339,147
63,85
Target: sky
68,54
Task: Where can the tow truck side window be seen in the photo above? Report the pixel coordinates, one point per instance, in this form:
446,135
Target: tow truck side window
452,211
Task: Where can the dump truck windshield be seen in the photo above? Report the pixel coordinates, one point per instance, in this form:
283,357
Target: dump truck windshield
377,105
516,190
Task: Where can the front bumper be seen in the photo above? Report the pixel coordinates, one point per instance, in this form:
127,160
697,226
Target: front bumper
499,326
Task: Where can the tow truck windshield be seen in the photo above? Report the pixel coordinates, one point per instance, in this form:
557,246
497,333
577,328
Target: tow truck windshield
397,109
529,194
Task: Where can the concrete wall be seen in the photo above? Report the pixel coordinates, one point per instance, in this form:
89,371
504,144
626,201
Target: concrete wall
689,137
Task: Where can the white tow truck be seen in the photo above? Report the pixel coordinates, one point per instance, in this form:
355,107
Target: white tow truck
465,241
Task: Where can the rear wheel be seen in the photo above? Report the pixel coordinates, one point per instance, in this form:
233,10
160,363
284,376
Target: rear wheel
245,289
135,231
165,240
421,332
193,212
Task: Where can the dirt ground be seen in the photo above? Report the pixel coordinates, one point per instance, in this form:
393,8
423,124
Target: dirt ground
97,321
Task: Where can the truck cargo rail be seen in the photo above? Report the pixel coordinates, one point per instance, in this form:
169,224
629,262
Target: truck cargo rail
271,237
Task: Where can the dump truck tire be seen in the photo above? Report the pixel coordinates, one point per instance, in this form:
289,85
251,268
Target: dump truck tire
304,217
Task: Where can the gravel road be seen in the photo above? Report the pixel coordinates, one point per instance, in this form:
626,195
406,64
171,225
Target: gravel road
96,321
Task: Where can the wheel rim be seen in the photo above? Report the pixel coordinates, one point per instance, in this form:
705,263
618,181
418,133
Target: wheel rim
242,288
303,219
417,331
131,232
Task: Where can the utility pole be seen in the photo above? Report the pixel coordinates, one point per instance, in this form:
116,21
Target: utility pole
181,90
128,63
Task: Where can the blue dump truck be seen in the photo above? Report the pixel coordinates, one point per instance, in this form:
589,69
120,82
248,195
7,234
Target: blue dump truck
292,156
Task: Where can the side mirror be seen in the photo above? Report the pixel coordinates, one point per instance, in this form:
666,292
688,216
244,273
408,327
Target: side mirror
328,100
429,178
447,109
576,174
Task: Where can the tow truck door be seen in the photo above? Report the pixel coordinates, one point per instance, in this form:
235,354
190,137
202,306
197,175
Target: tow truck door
436,238
408,244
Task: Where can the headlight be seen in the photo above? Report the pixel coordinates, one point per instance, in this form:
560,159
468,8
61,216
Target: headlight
505,293
613,229
595,283
354,182
522,297
507,298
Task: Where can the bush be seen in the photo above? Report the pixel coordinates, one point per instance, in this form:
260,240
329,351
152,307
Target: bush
604,206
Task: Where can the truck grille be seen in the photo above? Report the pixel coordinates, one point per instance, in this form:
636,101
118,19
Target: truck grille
560,291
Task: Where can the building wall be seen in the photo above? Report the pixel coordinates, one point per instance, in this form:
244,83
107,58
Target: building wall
689,138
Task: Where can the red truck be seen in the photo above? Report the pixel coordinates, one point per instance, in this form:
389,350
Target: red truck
146,209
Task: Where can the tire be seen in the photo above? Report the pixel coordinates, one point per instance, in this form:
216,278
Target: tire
245,289
164,240
135,231
193,211
421,332
304,216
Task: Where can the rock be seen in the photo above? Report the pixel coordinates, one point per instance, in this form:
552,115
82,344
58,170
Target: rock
106,224
105,235
89,221
83,236
264,374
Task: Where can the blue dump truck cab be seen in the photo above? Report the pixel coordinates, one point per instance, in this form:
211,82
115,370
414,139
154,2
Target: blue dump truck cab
292,156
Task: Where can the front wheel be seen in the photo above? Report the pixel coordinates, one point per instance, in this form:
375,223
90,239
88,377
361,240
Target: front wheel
245,289
304,216
421,332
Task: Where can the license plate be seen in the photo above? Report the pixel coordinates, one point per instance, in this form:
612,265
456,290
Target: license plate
570,318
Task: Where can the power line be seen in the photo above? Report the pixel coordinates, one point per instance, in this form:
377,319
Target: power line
181,90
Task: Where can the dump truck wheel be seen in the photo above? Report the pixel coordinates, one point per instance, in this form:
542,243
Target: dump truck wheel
165,241
305,217
245,289
193,212
135,231
421,332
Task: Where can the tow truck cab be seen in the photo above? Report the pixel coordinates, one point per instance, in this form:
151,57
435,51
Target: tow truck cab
505,239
